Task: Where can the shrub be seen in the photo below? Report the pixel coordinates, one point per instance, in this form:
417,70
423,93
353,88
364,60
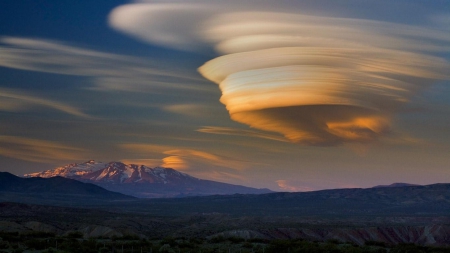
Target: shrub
236,239
74,234
217,239
166,249
375,243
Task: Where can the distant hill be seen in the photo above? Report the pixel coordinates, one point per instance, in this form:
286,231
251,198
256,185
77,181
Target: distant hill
395,185
57,189
409,200
389,215
144,182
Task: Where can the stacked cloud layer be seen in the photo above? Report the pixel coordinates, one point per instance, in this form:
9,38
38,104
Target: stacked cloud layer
317,80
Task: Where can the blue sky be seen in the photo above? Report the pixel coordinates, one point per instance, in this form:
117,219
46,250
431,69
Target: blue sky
295,96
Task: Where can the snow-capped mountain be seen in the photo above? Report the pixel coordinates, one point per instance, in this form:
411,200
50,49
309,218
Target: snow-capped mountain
143,181
115,172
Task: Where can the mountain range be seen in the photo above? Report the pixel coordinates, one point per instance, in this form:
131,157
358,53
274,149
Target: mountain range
142,181
391,215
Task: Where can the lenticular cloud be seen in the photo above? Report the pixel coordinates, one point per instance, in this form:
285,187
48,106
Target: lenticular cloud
315,79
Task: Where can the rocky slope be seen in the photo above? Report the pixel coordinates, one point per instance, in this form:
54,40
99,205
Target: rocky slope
142,181
436,235
94,223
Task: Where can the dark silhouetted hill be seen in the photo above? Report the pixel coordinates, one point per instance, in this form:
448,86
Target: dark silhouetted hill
395,185
409,200
56,190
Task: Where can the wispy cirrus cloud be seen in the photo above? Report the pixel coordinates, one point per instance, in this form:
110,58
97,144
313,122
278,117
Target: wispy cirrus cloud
18,100
191,110
239,132
107,71
318,78
36,150
207,158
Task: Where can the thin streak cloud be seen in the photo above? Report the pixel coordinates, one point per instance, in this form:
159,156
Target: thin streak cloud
239,132
207,158
107,71
36,150
316,79
14,100
191,110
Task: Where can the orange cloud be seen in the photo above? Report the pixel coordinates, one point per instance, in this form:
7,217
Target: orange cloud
202,165
286,185
197,163
197,156
175,162
315,79
318,96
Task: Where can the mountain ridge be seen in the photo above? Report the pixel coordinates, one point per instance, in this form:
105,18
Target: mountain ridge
395,185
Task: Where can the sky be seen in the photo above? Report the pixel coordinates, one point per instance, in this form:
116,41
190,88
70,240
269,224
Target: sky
287,95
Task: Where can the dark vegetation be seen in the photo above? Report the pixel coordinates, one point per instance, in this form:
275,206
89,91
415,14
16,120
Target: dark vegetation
73,242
